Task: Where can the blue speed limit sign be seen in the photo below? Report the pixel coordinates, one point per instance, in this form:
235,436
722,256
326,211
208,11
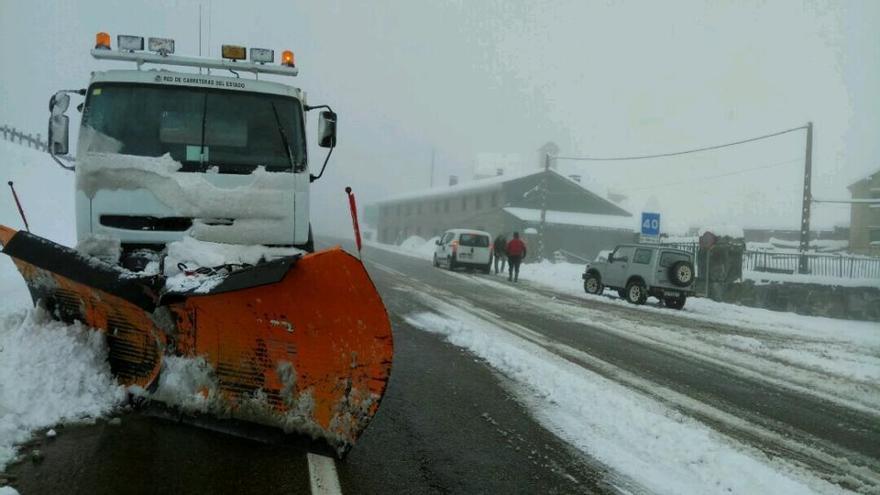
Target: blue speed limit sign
650,223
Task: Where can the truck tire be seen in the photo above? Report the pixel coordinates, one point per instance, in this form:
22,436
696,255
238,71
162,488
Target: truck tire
675,302
636,292
681,273
593,284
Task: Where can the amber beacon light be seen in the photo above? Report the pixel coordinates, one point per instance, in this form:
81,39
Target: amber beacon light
102,41
287,58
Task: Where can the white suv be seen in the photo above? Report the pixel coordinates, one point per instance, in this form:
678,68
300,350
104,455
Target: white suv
464,248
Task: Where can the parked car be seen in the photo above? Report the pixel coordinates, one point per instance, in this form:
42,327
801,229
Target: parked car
464,248
637,271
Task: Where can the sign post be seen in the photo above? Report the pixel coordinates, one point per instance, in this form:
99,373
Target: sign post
650,227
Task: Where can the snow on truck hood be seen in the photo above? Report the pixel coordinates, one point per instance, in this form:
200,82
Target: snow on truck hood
259,202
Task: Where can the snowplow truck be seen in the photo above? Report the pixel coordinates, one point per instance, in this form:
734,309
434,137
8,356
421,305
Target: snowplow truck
213,153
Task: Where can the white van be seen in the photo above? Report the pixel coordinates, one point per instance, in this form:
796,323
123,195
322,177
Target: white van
464,248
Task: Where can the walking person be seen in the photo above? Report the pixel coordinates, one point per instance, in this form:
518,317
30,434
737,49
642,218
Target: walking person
500,252
516,252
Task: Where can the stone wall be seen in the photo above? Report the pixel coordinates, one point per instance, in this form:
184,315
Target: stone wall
853,303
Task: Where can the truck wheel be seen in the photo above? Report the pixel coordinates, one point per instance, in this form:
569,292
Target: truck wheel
675,302
681,273
636,292
592,284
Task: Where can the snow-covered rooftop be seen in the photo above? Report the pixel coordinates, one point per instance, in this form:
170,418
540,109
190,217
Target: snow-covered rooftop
617,222
475,185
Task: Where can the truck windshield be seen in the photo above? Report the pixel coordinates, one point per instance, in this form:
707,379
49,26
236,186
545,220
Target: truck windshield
201,128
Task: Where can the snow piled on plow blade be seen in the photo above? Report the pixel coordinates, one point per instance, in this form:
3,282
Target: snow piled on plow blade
50,373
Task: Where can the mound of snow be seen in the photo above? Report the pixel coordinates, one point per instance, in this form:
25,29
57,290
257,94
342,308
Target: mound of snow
50,373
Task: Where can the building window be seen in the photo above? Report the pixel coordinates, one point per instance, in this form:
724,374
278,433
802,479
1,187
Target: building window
478,202
464,203
446,206
874,235
494,200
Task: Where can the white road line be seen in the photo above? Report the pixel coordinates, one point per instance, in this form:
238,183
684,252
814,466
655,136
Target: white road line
322,475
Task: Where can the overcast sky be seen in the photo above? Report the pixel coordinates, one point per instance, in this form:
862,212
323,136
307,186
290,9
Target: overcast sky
596,77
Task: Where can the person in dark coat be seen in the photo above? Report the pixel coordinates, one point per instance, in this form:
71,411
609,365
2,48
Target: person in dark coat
516,252
499,252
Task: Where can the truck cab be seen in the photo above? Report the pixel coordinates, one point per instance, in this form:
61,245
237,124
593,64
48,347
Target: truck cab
163,154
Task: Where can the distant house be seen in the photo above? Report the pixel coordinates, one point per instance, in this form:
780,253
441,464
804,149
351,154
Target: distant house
576,219
864,226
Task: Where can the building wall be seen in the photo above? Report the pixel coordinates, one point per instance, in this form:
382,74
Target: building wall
429,217
865,219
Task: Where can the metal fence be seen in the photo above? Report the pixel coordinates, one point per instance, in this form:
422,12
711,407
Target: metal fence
823,265
820,264
30,140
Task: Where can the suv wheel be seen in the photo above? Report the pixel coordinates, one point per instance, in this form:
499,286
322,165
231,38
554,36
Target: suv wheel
592,284
681,273
675,302
636,292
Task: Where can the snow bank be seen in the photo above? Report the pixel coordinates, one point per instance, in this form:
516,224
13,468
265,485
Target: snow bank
414,246
50,373
656,446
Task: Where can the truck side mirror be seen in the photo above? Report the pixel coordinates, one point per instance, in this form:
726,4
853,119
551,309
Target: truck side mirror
327,129
59,124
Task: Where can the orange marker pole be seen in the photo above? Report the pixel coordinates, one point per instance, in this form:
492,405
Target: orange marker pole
21,211
354,219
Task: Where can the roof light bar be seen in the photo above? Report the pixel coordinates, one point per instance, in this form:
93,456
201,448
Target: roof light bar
141,58
130,43
162,46
262,55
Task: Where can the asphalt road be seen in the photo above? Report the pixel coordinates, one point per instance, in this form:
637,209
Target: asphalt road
448,425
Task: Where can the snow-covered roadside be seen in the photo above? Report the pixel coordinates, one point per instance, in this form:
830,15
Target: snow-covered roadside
836,359
634,435
414,247
50,373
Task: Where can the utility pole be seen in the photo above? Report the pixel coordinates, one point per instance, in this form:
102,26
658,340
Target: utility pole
803,263
543,206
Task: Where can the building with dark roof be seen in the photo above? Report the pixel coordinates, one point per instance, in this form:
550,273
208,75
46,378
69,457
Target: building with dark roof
576,220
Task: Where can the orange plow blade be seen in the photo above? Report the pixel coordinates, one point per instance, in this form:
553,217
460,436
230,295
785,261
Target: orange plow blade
303,344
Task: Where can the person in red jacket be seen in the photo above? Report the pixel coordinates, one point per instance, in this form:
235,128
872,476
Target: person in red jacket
516,252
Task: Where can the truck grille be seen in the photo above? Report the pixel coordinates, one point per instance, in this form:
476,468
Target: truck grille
131,222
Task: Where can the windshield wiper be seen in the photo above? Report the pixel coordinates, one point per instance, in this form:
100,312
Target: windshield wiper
284,140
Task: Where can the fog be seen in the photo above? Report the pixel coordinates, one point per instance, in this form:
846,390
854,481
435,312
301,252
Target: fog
456,79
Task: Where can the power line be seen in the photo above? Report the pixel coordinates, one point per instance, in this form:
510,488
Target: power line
676,153
728,174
